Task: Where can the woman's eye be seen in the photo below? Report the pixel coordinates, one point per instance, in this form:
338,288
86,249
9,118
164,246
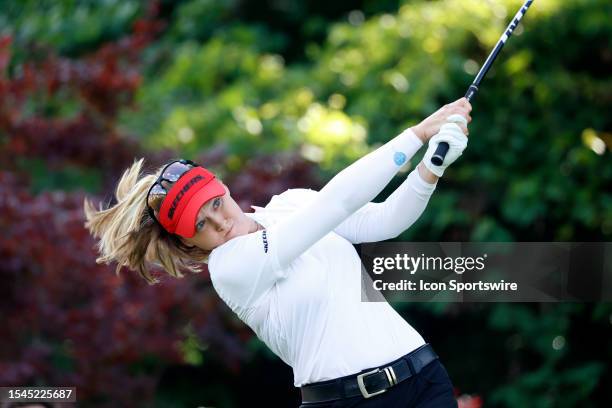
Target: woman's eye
217,202
200,225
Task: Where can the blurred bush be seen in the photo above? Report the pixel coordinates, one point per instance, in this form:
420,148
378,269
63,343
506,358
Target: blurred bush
536,158
71,27
66,320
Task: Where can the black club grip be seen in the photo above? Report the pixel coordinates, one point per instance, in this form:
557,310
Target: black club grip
440,153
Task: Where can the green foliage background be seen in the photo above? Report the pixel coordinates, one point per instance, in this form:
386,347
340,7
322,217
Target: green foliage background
537,167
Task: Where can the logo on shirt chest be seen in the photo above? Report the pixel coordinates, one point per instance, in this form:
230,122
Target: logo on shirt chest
264,237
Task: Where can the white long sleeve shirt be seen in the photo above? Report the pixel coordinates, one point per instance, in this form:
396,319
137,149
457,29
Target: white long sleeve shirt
297,283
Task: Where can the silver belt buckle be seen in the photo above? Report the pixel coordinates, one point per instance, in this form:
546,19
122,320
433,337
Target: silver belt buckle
390,377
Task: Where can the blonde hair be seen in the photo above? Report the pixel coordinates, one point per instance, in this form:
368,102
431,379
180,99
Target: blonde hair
128,235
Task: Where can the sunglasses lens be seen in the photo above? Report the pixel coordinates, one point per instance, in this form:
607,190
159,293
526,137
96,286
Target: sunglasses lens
156,197
157,190
175,171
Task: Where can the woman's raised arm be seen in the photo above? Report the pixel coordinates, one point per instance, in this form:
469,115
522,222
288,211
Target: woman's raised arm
344,194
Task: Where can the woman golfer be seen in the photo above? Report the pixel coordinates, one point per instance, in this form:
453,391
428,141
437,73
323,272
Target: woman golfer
290,271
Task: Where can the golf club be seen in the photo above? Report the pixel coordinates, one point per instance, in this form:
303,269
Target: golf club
442,149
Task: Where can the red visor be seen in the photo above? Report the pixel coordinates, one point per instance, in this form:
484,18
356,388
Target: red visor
181,205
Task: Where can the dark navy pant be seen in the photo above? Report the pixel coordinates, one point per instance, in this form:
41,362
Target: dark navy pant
430,388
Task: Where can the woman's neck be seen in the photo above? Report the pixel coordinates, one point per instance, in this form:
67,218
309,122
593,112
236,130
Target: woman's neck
256,226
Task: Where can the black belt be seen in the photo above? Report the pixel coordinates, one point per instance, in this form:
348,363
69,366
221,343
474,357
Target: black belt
370,382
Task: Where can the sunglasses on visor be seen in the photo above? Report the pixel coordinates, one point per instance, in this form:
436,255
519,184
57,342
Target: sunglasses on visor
171,173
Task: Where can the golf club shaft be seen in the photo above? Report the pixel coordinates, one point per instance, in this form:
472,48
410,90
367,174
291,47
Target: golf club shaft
442,149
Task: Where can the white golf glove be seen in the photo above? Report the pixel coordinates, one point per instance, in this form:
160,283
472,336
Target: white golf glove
452,134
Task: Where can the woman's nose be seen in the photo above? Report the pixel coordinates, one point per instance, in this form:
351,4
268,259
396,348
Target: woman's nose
221,223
